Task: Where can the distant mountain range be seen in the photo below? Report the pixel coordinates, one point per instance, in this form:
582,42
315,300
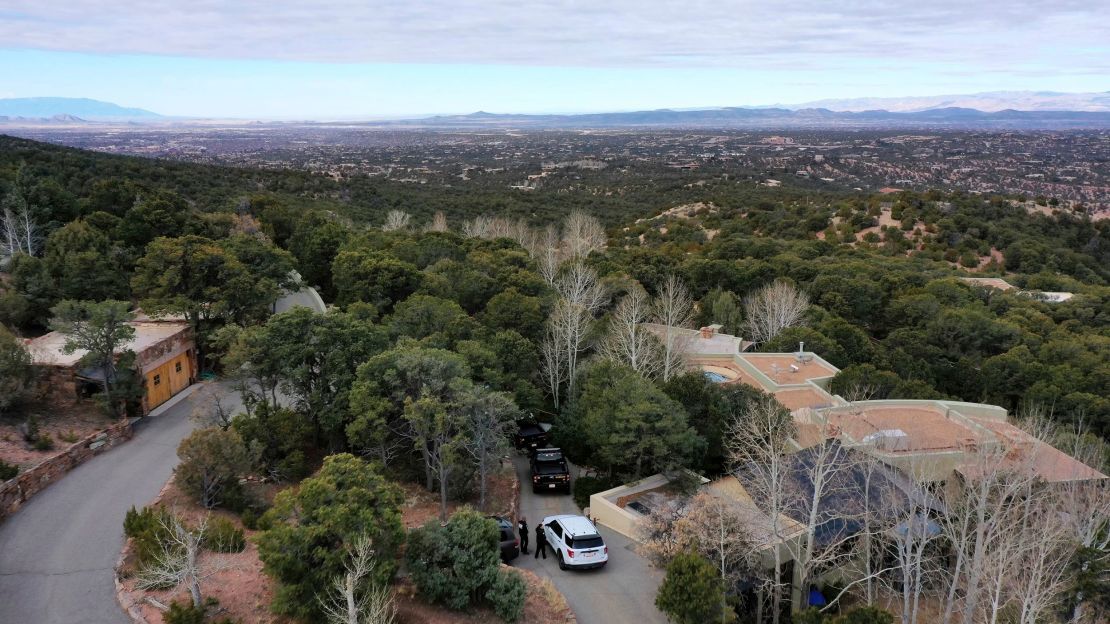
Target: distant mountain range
770,118
991,101
71,110
1016,110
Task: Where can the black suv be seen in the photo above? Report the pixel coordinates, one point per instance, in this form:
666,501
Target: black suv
550,471
530,435
510,543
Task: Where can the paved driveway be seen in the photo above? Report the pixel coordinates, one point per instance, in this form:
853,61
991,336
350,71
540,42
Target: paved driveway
57,553
623,592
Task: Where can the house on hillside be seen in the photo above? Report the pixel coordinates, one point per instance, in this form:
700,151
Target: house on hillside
899,457
165,356
998,283
934,437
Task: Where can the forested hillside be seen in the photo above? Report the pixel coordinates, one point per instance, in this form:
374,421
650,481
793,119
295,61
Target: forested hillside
880,270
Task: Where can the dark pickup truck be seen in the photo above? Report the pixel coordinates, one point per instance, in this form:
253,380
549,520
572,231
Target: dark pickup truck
530,436
550,471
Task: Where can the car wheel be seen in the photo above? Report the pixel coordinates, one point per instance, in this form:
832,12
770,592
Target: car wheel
562,562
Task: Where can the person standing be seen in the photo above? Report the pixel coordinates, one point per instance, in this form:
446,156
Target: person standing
541,542
522,526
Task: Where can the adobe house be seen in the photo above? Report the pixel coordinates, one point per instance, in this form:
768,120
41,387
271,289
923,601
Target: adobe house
165,355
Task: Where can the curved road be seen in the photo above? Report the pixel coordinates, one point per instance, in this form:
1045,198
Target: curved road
58,552
622,592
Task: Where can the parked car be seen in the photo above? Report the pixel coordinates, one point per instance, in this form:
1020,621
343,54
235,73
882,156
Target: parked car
576,542
549,471
530,435
510,543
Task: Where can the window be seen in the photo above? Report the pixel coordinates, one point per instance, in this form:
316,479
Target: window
177,367
557,529
587,541
157,379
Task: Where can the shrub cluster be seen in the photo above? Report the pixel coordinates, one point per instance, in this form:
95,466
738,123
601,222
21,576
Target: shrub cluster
223,536
458,565
7,471
585,486
149,528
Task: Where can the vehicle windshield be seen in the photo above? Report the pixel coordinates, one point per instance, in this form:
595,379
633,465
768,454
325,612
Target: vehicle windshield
587,541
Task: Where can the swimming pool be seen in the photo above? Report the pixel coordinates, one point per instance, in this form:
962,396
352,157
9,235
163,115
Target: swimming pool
715,377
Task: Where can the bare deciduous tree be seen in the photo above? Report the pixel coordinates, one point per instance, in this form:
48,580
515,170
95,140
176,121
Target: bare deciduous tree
828,475
772,309
349,600
1040,573
489,419
757,441
713,527
660,539
718,530
582,234
902,525
211,408
674,309
627,340
580,297
178,561
547,253
1082,505
439,222
478,227
18,232
978,517
552,367
396,220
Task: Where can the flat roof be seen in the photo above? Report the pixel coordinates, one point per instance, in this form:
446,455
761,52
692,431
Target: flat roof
797,398
926,427
758,522
1044,460
48,350
993,282
789,368
731,372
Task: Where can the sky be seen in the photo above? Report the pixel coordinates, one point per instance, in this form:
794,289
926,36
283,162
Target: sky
335,59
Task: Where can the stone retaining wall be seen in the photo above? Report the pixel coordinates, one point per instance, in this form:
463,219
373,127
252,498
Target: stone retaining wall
16,491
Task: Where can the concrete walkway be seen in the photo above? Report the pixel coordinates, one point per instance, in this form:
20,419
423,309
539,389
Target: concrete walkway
57,553
622,592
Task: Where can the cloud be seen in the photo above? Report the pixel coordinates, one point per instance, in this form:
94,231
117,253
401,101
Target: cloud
984,34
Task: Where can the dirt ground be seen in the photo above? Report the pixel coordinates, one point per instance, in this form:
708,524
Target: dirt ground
244,591
421,505
65,424
236,580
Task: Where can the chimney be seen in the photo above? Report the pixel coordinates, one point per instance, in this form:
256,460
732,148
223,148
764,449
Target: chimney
801,347
707,332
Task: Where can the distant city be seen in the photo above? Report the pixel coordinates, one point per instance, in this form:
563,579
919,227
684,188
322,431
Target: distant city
1070,166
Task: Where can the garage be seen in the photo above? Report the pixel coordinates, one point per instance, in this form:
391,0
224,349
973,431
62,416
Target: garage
168,379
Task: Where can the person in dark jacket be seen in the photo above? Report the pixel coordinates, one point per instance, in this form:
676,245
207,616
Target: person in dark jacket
541,542
522,525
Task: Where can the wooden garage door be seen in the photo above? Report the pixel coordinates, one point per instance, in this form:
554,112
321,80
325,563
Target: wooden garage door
167,380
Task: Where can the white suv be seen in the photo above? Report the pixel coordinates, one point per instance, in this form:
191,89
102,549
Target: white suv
575,541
